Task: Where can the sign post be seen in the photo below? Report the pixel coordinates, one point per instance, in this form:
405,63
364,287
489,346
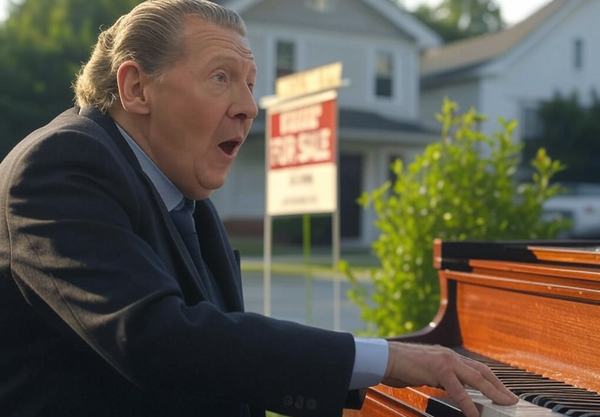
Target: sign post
302,158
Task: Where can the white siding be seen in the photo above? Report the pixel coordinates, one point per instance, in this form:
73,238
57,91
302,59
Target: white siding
533,71
547,67
316,48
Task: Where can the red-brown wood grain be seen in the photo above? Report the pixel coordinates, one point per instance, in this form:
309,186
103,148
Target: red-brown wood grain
534,305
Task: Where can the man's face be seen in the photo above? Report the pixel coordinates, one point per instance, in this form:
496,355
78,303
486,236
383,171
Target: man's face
202,109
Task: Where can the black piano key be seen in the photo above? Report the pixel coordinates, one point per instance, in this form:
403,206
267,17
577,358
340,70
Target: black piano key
578,400
582,412
566,402
530,395
558,396
565,407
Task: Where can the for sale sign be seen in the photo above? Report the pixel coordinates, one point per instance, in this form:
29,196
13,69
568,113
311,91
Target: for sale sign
302,156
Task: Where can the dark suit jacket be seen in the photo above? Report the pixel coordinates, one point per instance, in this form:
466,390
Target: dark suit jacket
103,314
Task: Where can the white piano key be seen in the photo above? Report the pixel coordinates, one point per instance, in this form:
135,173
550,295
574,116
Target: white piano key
521,409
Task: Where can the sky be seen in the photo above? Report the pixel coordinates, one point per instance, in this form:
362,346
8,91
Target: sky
513,11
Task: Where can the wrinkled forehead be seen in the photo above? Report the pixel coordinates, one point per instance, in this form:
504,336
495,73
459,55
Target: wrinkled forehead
210,43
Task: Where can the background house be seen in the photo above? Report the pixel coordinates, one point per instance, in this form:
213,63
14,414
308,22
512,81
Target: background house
509,73
379,45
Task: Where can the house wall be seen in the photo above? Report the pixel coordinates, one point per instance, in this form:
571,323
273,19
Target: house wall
352,35
531,72
543,66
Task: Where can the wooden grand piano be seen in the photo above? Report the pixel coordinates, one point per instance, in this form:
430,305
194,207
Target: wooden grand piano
530,310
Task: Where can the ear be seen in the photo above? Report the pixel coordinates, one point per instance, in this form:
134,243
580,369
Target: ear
132,82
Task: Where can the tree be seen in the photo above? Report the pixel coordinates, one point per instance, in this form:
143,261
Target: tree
450,192
571,130
42,45
459,19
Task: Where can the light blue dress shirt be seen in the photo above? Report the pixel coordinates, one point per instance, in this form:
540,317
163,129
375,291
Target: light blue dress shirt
370,360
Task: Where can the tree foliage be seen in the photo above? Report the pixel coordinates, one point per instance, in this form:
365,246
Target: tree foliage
571,130
453,192
42,46
459,19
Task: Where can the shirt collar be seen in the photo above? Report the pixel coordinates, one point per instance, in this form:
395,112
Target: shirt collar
169,193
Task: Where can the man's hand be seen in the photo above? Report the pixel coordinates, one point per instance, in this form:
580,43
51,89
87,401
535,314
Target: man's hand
436,366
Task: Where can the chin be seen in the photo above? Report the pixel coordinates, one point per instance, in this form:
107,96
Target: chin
206,184
206,189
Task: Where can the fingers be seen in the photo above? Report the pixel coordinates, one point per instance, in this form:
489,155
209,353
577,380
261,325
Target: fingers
416,365
456,390
481,377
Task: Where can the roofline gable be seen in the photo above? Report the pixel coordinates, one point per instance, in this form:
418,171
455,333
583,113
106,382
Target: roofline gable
423,35
490,49
520,49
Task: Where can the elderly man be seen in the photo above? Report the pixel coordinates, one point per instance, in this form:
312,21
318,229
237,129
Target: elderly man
114,300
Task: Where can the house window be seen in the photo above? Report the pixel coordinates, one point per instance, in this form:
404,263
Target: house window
578,53
286,58
384,74
532,124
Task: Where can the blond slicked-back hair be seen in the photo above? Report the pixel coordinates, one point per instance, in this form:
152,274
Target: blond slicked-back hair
149,34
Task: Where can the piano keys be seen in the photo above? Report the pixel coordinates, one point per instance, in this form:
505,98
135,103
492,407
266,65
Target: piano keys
528,309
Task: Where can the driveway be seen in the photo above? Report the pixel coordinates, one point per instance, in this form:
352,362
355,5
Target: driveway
289,300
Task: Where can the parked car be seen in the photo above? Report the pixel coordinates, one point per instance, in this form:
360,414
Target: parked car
581,205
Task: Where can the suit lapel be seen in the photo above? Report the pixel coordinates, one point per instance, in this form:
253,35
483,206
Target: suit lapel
192,281
218,254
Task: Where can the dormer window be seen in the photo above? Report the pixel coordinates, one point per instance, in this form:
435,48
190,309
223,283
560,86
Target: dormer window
578,54
320,6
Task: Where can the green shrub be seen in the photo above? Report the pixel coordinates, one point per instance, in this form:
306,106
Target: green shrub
462,187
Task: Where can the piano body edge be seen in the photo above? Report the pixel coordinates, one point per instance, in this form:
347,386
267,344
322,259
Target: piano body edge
530,304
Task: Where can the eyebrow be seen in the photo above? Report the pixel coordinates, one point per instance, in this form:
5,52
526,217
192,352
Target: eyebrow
234,59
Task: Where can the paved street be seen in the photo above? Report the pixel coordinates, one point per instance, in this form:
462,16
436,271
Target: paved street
288,300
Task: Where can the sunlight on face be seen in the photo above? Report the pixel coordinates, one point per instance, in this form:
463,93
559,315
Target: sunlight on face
202,109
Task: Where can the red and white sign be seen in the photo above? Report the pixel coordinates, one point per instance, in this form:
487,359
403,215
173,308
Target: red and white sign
302,157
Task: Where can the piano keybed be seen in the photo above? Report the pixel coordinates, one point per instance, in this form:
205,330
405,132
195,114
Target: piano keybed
536,391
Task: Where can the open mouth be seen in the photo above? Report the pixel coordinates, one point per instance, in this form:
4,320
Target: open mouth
229,146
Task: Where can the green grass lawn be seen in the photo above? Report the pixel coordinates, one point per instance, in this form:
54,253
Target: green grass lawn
290,259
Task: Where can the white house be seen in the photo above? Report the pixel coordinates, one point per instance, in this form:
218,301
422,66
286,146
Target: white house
508,74
379,45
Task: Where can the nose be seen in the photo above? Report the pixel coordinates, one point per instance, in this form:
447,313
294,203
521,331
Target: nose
244,106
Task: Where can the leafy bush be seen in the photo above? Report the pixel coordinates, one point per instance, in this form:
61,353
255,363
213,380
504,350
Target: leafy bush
460,188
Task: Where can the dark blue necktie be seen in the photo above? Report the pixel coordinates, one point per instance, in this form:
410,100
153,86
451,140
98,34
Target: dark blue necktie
184,221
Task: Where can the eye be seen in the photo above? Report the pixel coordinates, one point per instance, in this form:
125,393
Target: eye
251,87
220,77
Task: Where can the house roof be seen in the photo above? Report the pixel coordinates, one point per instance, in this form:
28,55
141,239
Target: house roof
421,33
478,50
